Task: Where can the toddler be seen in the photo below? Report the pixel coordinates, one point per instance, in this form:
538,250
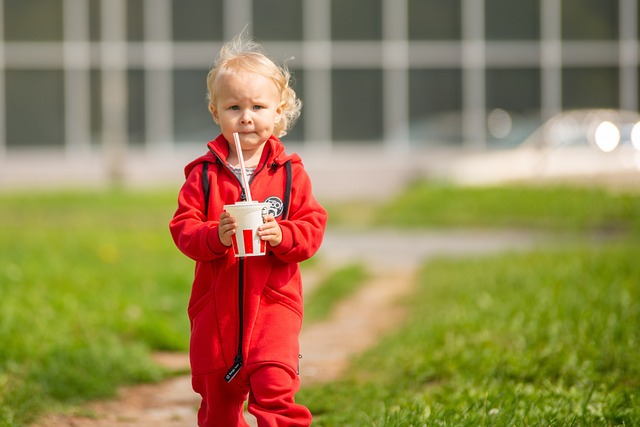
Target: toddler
246,313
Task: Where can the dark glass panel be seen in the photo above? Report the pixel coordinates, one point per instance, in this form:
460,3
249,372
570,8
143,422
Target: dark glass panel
356,19
512,20
29,20
277,20
357,105
197,20
192,120
434,19
35,108
136,107
435,102
590,88
589,20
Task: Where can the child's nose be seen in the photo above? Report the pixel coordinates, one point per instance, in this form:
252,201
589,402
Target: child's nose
246,118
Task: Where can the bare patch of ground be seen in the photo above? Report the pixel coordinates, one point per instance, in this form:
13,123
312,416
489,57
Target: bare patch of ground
356,324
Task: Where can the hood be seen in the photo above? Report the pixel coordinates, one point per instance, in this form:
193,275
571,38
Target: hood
273,153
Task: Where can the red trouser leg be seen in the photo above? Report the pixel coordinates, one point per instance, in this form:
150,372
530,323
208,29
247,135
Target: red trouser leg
222,403
271,399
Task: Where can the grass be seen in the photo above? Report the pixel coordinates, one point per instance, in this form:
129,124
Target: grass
544,338
91,283
337,286
549,337
549,207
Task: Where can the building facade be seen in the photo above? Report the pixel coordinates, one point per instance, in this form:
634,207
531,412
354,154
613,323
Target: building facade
82,77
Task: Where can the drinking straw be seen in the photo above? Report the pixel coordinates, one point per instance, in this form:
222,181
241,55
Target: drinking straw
243,169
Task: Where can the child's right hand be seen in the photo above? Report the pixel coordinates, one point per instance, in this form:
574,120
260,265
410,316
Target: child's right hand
226,228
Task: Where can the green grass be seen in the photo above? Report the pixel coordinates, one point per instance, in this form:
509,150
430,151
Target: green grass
549,337
544,338
89,283
553,207
337,286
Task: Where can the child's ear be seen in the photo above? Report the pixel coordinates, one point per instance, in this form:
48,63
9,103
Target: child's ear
214,113
279,112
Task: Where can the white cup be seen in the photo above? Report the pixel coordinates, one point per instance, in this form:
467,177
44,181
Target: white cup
249,216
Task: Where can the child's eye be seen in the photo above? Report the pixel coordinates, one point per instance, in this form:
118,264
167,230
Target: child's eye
234,107
258,107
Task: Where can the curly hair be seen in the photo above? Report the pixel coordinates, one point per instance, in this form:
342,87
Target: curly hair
247,55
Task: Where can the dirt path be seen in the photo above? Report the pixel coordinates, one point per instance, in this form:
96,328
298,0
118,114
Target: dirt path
326,346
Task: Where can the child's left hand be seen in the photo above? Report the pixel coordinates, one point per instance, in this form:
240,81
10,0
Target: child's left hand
270,231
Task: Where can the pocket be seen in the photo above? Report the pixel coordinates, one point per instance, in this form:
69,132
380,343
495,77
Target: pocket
205,350
199,304
276,332
285,299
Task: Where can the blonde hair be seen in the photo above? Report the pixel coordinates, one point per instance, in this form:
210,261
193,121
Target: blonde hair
247,55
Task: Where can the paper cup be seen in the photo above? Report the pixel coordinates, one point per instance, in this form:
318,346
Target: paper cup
249,216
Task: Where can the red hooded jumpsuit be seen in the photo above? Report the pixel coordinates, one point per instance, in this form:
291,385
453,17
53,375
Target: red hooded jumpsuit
246,313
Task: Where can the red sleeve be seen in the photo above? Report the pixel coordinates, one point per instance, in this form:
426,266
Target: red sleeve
303,231
196,237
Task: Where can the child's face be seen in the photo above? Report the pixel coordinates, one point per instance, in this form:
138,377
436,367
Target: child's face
247,103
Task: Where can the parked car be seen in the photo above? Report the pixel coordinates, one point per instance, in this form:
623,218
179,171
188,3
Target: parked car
603,129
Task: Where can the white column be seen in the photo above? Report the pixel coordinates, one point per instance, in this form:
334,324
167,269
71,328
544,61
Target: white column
317,74
3,108
237,16
114,88
551,57
77,58
396,76
473,81
629,54
158,64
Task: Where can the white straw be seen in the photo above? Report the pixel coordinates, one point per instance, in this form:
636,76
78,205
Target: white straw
243,169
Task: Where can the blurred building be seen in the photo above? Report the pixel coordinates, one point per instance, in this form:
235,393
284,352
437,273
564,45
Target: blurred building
107,81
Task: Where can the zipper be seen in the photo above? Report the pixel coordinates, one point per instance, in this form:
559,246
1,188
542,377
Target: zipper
238,360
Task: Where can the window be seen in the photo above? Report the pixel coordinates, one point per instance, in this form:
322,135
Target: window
512,20
192,120
297,83
513,104
356,19
136,107
35,121
277,20
589,20
200,20
590,88
434,19
435,103
95,23
513,89
357,105
135,20
33,20
96,106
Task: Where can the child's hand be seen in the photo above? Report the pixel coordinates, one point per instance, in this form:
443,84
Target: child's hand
226,228
270,231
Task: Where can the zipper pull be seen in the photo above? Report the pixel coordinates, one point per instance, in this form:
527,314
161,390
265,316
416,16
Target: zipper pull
234,369
243,197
